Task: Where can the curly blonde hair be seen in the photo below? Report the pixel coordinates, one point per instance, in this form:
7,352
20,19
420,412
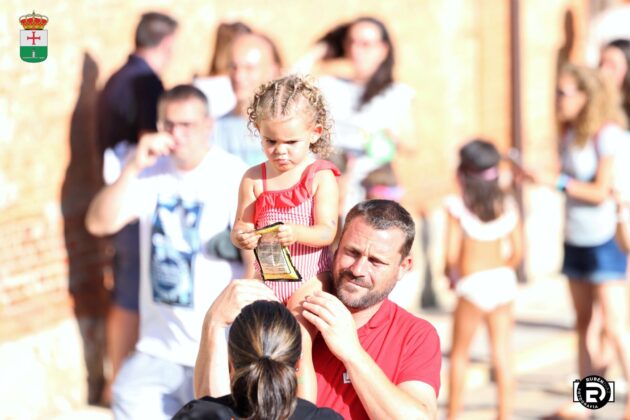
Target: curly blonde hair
289,96
602,104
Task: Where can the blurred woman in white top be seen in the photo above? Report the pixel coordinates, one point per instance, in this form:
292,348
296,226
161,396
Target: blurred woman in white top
372,111
592,127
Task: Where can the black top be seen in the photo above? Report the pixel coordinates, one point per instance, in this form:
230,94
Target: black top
128,103
222,408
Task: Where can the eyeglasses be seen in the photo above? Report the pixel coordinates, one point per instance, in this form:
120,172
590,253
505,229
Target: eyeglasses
566,93
167,125
364,43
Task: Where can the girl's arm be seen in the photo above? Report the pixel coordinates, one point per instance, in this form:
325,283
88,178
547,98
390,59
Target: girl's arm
325,213
622,235
598,190
242,231
453,248
593,192
516,245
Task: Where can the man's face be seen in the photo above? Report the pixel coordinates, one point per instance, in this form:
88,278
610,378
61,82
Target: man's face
251,65
367,264
189,125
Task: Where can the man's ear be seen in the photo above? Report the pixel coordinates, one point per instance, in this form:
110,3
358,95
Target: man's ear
405,266
209,123
166,43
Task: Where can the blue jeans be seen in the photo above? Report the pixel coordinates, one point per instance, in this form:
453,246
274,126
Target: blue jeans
594,264
151,388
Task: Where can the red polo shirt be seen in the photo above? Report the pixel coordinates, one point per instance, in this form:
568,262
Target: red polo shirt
404,346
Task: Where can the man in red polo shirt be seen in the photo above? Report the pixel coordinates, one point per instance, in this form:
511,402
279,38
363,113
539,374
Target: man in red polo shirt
373,359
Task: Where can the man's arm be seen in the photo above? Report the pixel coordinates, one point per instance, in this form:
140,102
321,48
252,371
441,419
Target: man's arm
379,396
211,374
105,215
384,400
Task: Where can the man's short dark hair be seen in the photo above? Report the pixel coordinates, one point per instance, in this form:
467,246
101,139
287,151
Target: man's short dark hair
384,215
183,93
153,28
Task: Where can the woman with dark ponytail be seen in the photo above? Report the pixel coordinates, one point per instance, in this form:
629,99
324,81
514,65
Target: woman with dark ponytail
264,347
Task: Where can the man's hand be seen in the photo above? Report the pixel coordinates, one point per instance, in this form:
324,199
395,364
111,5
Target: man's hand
150,147
335,323
106,213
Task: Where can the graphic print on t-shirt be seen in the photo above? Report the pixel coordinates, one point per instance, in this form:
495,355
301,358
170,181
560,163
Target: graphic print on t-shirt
174,244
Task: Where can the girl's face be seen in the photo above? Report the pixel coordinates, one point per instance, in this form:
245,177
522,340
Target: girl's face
569,99
286,141
614,65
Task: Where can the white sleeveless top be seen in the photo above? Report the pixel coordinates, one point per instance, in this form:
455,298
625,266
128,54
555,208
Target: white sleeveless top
479,230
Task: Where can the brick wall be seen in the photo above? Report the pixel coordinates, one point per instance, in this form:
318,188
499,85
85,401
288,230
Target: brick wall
453,52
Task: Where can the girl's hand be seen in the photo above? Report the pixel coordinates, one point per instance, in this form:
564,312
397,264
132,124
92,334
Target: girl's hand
540,177
286,235
453,275
245,236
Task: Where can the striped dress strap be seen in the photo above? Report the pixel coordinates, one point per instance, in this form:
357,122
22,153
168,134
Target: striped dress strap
263,173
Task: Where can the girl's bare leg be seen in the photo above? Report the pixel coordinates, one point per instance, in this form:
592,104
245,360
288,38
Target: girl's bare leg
613,300
500,327
598,344
583,297
466,318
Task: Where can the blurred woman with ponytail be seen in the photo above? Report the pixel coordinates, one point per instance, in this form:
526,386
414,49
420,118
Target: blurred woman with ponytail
264,346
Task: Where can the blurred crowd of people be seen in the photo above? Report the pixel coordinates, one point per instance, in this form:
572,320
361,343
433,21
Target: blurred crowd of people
319,138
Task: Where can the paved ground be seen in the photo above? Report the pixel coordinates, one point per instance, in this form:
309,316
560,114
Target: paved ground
544,354
539,393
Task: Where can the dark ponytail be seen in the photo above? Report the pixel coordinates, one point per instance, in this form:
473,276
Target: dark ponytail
264,346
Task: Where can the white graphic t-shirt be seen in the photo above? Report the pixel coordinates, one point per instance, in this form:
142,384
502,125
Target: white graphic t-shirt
179,212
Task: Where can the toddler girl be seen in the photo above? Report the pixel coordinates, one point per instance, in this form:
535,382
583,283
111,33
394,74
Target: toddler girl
295,188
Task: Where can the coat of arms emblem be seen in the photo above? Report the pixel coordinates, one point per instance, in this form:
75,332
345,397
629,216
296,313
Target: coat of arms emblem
33,39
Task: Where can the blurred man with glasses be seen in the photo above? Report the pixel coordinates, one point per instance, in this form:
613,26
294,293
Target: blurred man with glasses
183,191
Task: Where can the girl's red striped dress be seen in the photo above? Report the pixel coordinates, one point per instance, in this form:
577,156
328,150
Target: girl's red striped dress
294,205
